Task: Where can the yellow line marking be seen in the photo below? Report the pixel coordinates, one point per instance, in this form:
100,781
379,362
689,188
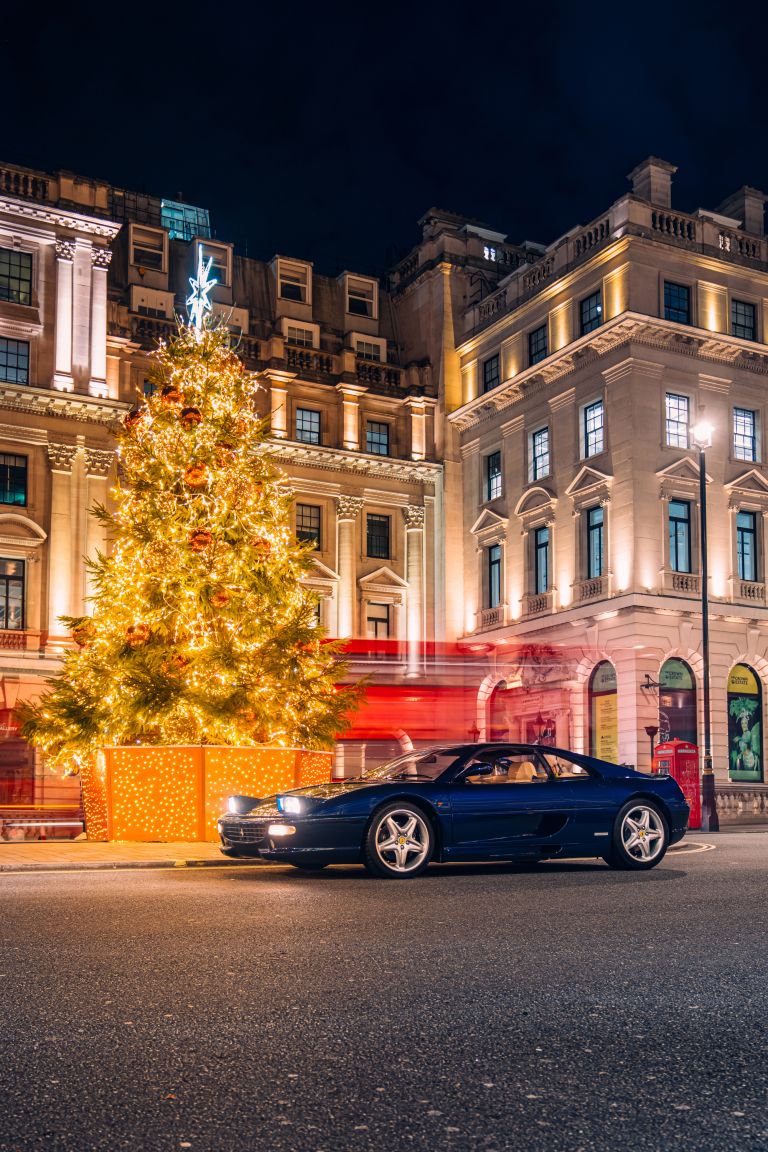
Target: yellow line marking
692,847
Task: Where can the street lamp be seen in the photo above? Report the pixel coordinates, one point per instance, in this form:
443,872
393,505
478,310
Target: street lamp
651,730
702,439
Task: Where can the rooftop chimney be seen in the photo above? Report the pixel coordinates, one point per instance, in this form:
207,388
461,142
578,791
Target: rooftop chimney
746,205
652,181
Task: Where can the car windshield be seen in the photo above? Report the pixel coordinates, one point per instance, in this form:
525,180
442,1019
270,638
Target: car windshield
415,765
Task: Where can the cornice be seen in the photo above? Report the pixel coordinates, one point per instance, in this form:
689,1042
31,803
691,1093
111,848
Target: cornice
628,328
338,460
49,402
59,218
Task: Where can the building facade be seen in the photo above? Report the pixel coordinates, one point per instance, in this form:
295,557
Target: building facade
491,449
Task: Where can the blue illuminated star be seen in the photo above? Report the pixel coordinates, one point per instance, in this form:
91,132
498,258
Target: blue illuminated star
198,303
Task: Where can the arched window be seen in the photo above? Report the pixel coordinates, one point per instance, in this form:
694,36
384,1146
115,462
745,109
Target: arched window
603,713
677,703
745,731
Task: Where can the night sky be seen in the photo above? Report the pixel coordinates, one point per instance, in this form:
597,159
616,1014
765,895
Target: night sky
325,131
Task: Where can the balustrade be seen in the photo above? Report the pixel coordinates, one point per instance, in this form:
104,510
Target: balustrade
751,590
23,184
533,605
674,225
491,617
592,589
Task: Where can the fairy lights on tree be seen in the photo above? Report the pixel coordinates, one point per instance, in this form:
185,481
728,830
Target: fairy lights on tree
201,631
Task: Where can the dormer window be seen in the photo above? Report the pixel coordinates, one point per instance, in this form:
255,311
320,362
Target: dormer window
219,255
148,248
293,282
361,297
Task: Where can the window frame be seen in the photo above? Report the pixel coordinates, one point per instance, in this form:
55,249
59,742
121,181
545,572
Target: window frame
6,486
493,575
596,530
735,304
736,448
542,538
381,519
134,246
670,307
297,268
352,278
380,424
306,533
586,432
534,456
385,619
299,413
492,373
19,254
538,344
5,600
668,443
493,480
222,258
591,316
752,533
18,344
687,521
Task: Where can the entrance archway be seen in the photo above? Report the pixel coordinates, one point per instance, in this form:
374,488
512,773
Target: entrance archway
603,713
677,702
745,728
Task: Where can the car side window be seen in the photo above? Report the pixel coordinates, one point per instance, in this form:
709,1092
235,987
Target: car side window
503,768
564,768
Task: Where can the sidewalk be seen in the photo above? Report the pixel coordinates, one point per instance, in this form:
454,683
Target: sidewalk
82,855
79,855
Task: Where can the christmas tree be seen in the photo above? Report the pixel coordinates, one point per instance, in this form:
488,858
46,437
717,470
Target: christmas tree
201,631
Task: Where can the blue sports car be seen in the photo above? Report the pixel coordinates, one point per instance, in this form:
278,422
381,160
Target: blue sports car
465,802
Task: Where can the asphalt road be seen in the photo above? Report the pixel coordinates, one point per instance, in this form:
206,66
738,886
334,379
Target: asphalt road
561,1007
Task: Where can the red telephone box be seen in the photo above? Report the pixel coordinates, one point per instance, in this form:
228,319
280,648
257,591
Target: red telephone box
679,759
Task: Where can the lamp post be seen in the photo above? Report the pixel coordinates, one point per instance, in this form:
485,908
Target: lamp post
650,731
702,439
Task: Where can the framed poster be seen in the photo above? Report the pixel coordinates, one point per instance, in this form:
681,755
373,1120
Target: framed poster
745,711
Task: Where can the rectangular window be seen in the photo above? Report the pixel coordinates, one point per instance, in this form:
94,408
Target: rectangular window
308,524
15,276
490,253
219,257
680,536
12,595
594,427
539,454
677,303
293,282
541,561
13,479
14,361
148,248
591,312
677,420
491,373
494,575
377,618
746,545
300,337
537,345
493,476
743,320
377,438
308,425
744,434
367,351
377,536
595,542
184,221
361,297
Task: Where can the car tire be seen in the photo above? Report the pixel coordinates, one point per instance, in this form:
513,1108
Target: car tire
307,864
399,842
640,837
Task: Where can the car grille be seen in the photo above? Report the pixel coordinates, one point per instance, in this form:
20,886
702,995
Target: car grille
240,832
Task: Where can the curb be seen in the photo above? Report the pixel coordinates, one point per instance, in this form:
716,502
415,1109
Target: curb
121,865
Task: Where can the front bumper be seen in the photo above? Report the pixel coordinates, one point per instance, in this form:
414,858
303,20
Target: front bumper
337,841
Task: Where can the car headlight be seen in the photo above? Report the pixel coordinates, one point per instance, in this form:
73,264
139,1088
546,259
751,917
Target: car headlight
281,830
289,804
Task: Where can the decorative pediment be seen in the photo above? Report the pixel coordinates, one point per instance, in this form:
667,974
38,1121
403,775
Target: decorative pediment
488,521
20,531
683,469
588,481
680,479
382,578
535,499
749,489
321,571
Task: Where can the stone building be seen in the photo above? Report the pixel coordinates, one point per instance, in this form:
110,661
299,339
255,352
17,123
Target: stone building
578,384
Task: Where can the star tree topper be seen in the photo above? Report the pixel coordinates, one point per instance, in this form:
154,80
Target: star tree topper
198,303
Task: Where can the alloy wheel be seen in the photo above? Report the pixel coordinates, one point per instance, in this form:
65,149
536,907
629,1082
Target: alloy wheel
642,833
402,840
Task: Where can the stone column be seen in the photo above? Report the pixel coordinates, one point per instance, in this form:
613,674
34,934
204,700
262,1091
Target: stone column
279,411
81,315
417,408
62,542
347,511
100,258
98,462
350,415
414,574
65,254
